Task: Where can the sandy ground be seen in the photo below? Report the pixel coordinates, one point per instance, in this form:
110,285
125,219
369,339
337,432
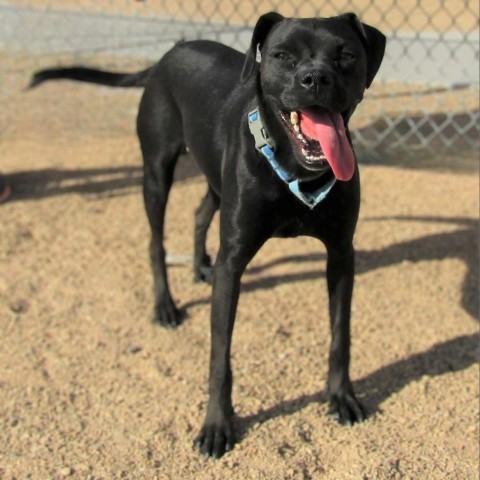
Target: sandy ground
90,389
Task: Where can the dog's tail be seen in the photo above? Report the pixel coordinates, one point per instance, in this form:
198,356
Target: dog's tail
92,75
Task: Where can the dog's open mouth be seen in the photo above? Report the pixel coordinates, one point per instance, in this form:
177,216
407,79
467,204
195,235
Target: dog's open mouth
320,136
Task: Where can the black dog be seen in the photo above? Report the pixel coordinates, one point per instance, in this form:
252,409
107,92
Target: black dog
273,142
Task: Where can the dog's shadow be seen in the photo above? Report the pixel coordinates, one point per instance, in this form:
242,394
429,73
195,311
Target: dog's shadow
95,183
451,356
459,244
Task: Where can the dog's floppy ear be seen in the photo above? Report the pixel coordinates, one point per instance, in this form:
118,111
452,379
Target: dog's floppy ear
260,32
374,42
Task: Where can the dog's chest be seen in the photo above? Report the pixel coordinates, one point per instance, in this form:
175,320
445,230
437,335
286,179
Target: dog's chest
292,227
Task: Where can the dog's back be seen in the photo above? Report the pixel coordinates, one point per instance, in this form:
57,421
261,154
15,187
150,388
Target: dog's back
189,94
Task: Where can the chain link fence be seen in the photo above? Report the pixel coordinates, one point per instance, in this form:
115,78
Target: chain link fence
424,103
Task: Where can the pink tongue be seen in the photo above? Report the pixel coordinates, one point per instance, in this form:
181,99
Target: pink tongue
329,130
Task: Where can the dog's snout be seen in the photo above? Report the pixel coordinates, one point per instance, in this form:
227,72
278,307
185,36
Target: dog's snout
314,79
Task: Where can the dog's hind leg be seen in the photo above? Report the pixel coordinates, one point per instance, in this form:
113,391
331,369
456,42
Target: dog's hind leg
155,197
203,216
161,139
155,194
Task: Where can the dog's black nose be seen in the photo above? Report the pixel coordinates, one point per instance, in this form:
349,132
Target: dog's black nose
313,79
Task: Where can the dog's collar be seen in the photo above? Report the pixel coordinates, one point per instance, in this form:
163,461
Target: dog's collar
265,146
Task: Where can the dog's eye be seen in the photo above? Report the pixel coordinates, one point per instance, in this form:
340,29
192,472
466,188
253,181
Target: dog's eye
285,58
344,60
282,56
347,56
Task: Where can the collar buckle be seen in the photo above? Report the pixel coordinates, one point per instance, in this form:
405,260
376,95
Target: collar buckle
259,132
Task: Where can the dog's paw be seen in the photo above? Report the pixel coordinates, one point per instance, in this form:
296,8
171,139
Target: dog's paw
204,273
346,409
215,439
167,315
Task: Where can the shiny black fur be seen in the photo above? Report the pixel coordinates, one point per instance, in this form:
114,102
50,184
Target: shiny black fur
198,96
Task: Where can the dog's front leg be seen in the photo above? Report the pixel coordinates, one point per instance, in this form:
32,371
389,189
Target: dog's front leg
239,242
340,275
216,436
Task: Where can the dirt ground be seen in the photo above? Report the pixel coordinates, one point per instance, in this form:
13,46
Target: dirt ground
90,389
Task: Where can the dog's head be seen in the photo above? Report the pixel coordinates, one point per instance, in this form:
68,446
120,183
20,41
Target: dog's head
312,75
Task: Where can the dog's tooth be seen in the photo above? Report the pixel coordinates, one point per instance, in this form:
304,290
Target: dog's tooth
301,137
296,128
305,153
294,118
